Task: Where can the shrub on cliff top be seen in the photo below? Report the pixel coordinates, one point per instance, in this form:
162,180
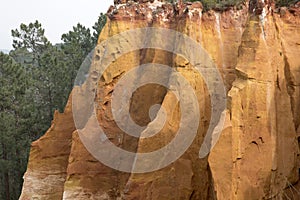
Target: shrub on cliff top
281,3
220,4
214,4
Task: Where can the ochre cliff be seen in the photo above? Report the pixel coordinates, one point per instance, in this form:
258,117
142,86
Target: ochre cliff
256,48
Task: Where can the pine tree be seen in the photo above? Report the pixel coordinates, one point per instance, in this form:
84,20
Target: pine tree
98,26
13,140
78,43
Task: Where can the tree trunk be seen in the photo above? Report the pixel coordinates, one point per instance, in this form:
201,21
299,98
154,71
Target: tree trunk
6,182
6,175
50,104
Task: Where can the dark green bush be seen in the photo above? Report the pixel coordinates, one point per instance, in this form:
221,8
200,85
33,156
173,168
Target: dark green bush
224,4
219,4
281,3
214,4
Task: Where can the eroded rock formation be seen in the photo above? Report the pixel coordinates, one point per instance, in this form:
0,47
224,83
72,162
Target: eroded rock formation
257,50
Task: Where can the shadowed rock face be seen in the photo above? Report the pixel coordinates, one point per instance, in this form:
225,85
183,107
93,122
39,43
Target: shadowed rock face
257,51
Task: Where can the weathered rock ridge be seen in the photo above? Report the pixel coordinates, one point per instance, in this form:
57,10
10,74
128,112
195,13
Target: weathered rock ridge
257,51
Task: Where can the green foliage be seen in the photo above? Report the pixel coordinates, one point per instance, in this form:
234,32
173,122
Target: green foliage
30,37
98,26
281,3
224,4
14,140
36,78
80,37
214,4
78,43
220,4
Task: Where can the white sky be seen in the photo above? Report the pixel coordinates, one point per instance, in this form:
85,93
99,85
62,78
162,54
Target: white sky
56,16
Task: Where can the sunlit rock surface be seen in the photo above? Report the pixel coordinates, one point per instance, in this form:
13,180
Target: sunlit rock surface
257,51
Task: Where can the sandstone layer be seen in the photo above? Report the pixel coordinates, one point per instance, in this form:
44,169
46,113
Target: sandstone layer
256,48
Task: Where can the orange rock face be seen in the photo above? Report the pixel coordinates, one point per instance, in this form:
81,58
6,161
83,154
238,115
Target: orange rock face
255,48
